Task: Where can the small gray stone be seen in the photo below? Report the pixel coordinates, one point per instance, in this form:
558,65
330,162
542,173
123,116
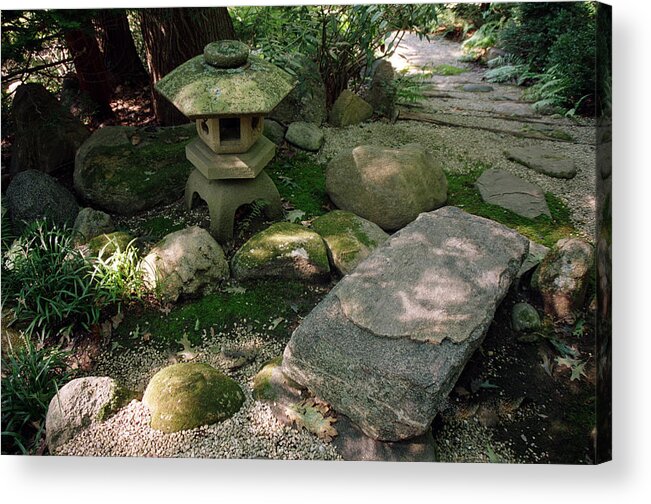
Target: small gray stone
187,262
349,109
77,405
34,195
501,188
307,136
274,131
91,223
543,161
478,88
537,253
524,318
387,344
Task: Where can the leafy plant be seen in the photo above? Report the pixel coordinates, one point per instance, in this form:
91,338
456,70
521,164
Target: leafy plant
117,273
31,377
409,87
50,282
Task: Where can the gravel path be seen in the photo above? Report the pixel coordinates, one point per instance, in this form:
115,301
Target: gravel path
461,147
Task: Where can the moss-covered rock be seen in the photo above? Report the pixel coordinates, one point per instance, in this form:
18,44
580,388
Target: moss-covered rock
282,250
91,223
262,386
524,318
349,238
188,395
124,170
349,109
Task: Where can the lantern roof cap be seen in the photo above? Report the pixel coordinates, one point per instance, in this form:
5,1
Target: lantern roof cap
222,82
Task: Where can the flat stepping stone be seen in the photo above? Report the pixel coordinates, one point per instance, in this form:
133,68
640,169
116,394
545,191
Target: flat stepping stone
478,88
388,343
503,189
543,161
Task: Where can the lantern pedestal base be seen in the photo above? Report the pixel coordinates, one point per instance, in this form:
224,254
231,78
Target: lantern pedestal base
224,197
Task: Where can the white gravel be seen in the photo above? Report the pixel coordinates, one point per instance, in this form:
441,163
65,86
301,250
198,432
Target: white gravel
253,432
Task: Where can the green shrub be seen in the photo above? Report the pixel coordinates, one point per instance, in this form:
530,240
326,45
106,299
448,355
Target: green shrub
50,282
31,376
343,40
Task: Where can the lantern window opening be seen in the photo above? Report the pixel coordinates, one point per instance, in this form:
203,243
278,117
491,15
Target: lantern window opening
229,129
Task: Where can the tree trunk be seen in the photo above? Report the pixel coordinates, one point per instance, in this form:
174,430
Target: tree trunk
173,36
120,54
89,65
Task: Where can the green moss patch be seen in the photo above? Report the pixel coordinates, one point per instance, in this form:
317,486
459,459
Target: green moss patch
257,304
159,226
301,182
262,387
543,229
446,70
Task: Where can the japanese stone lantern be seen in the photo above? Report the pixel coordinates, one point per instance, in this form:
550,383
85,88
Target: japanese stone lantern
227,92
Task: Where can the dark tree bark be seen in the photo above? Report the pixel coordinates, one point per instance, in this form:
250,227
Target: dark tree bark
91,71
173,36
120,55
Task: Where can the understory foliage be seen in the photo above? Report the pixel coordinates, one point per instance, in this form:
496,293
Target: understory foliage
54,290
549,46
31,376
344,40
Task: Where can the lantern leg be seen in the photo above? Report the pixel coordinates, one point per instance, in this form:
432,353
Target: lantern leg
224,197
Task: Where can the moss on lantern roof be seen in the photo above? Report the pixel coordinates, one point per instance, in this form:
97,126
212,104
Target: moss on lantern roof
199,89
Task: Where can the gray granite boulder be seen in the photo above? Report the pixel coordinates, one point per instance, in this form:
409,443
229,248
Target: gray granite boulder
283,250
307,136
123,170
503,189
388,343
562,278
79,404
389,187
47,135
188,262
349,238
91,223
349,109
34,195
543,161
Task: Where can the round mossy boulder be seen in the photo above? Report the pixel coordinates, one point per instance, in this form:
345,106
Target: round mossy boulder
283,250
349,238
524,318
188,395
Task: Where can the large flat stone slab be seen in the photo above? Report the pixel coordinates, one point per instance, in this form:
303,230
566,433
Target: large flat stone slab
501,188
543,161
388,343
